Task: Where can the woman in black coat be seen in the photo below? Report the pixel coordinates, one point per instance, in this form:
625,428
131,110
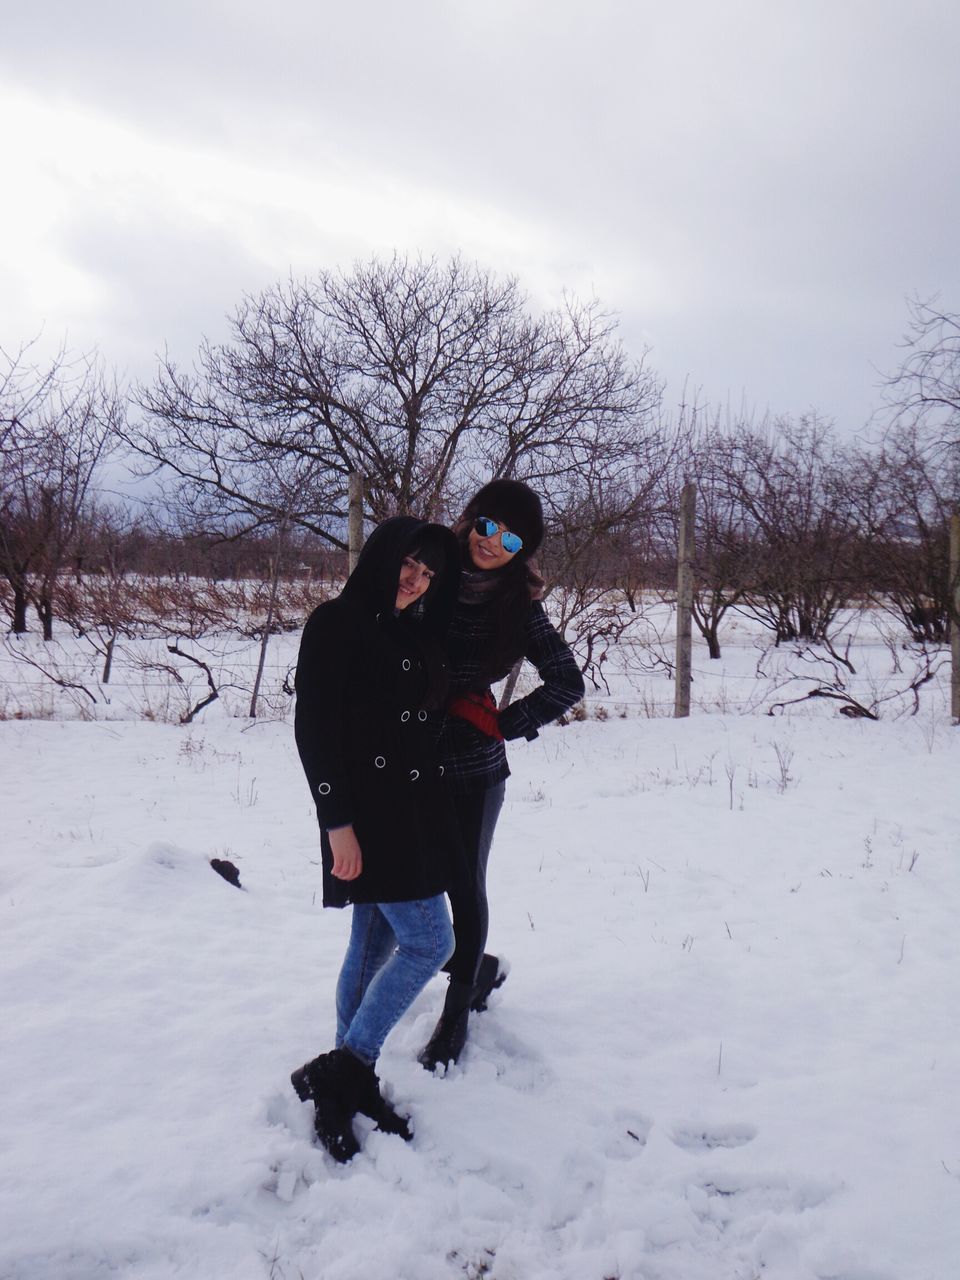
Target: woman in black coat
370,683
498,620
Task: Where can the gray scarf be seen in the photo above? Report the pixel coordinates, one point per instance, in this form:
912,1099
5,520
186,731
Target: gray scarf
477,586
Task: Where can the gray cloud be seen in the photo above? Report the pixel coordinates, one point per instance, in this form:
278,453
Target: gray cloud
755,186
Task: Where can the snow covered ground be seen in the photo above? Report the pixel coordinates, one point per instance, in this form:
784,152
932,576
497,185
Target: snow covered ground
727,1047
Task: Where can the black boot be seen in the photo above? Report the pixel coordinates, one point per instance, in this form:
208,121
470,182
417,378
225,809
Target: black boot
330,1082
359,1090
372,1103
490,975
450,1033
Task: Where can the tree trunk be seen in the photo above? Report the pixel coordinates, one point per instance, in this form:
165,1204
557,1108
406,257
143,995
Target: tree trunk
355,519
955,616
45,613
507,691
19,610
685,553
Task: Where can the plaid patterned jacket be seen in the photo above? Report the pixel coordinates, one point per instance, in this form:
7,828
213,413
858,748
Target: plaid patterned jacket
472,761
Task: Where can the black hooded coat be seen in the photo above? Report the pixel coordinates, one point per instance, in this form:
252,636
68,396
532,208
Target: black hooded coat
370,685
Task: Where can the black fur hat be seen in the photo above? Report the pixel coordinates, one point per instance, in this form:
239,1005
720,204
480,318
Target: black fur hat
514,504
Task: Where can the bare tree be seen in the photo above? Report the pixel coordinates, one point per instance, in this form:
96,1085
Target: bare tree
58,426
923,444
23,393
106,602
424,378
724,551
925,392
904,494
788,481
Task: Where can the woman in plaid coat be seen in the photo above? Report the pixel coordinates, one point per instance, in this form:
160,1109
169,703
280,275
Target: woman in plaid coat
498,620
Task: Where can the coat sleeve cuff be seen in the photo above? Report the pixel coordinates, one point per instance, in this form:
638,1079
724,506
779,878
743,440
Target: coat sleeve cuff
515,723
334,805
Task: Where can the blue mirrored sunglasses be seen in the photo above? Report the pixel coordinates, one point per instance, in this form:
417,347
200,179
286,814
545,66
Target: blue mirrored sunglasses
511,542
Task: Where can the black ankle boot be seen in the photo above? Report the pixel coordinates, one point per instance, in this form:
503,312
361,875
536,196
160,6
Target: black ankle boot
492,973
450,1033
372,1103
332,1083
359,1088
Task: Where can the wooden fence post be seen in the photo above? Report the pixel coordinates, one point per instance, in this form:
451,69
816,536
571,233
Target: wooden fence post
354,519
685,549
955,616
271,609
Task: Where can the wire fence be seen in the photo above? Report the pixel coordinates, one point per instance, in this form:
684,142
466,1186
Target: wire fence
63,678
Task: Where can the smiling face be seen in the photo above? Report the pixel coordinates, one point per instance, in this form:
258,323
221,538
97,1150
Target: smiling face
488,553
415,579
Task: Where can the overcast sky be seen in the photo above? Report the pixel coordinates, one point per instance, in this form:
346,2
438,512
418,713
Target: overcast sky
755,186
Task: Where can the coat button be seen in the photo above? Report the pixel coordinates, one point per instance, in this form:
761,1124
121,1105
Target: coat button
441,771
421,715
323,789
380,762
406,664
405,717
414,774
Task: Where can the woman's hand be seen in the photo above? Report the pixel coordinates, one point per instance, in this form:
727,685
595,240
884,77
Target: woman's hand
347,859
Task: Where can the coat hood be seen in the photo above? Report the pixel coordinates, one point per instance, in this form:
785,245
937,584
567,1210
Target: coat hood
374,581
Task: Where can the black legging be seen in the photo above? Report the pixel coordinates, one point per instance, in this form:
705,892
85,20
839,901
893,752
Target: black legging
477,814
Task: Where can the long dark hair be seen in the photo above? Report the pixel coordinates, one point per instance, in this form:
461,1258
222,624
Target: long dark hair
517,584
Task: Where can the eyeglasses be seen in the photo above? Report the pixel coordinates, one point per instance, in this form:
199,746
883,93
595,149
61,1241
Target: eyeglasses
511,542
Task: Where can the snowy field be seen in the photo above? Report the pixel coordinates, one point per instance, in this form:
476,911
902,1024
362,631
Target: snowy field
727,1048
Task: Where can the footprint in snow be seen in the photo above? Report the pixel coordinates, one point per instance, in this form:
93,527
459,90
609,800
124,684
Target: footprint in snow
752,1196
517,1063
711,1139
858,1273
764,1209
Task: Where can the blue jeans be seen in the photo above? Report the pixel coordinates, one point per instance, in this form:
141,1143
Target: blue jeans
395,949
